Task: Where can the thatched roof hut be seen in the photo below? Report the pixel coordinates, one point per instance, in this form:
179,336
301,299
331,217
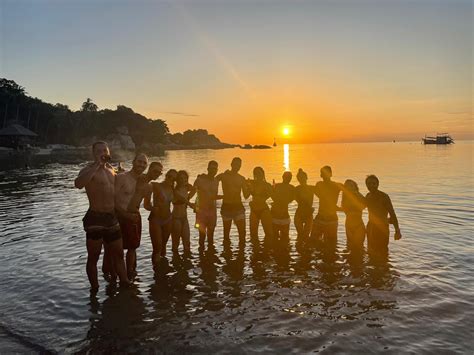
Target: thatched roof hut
15,136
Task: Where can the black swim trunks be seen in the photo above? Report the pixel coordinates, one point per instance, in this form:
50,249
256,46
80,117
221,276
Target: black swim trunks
101,225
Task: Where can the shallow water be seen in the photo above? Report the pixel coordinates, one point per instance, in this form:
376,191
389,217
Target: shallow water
241,299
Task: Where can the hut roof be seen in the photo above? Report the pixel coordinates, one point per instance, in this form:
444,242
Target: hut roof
17,130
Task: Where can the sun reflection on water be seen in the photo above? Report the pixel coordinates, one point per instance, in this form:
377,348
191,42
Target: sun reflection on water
286,157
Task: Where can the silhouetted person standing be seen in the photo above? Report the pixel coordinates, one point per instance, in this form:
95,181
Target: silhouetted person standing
129,217
283,194
380,208
206,187
100,222
325,222
158,202
233,186
261,191
353,203
304,195
180,229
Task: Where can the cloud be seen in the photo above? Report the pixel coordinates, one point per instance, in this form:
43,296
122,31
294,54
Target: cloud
180,113
458,112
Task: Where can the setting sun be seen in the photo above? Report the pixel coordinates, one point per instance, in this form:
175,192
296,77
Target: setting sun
286,131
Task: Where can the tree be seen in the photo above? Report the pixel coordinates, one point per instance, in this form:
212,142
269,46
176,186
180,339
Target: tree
10,88
89,106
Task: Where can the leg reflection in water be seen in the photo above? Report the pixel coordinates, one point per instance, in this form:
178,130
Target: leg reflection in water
117,323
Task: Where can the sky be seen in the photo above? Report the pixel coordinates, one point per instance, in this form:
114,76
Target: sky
327,71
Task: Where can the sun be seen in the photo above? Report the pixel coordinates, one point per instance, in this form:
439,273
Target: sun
286,131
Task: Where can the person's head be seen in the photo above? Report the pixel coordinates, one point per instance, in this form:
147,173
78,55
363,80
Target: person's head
182,178
101,152
171,175
236,164
372,183
139,163
212,168
351,185
287,176
302,176
259,173
155,170
326,173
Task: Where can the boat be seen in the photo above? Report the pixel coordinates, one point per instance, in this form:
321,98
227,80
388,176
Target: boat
274,142
441,138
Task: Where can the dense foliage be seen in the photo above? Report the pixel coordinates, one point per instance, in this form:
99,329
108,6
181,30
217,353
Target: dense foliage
58,124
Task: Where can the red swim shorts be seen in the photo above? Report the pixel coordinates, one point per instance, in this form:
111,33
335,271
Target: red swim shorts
131,233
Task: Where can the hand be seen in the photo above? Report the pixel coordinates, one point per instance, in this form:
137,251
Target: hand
397,235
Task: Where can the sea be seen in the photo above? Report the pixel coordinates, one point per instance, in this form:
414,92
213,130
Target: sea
241,299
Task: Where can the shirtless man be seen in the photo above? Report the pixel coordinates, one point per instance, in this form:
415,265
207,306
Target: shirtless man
233,185
100,222
206,186
325,223
283,194
380,207
129,218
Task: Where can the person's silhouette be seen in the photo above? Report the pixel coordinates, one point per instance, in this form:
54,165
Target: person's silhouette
381,214
325,222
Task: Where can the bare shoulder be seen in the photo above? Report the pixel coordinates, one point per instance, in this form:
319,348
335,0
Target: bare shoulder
110,170
198,180
385,196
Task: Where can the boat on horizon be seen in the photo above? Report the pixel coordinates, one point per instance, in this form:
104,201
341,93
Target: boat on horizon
274,142
441,138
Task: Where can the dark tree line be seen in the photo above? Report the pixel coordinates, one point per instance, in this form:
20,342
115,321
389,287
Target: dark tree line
57,124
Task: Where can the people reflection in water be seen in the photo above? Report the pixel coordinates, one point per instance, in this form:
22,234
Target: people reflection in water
261,191
206,186
283,194
325,223
233,186
353,203
304,195
160,215
381,214
180,226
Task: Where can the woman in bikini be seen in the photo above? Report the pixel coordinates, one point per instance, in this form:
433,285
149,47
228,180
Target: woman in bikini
180,224
304,195
160,217
353,203
261,191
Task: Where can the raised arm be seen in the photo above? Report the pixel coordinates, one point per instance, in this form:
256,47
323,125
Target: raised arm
85,175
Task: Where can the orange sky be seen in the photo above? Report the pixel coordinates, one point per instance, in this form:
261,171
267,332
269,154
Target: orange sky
332,71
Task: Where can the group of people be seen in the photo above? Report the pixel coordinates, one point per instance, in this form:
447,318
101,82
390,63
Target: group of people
114,221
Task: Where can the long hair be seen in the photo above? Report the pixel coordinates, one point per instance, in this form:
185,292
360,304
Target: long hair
258,171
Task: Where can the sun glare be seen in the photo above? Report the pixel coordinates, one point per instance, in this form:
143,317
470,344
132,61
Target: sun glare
286,131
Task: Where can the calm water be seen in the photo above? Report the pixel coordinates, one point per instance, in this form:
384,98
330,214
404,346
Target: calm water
240,300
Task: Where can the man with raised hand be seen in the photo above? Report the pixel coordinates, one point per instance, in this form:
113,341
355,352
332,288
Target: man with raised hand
100,222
